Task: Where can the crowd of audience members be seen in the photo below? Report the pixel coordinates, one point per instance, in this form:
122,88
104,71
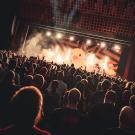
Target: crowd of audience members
43,98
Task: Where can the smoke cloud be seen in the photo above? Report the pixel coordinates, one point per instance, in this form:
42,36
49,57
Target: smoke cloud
53,50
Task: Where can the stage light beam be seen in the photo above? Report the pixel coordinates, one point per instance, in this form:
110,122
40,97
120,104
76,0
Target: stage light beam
105,64
68,55
92,58
59,59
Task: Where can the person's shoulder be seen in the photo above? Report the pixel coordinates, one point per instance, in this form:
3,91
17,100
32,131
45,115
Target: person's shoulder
113,131
64,84
98,105
59,109
97,108
40,131
15,87
61,82
6,131
4,71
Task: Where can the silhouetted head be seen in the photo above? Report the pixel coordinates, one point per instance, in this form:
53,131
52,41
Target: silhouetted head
106,84
27,80
89,78
99,86
78,78
74,96
54,85
27,105
115,87
132,102
65,98
110,97
81,87
127,118
7,77
84,81
60,75
128,85
12,64
84,76
126,96
133,90
38,81
43,71
1,56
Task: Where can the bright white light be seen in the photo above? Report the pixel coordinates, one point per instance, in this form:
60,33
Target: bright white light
117,48
58,35
59,59
48,33
68,55
88,42
106,59
51,53
103,44
105,64
90,61
92,58
71,38
98,44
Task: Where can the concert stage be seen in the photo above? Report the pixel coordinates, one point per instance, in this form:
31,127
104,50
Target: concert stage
89,52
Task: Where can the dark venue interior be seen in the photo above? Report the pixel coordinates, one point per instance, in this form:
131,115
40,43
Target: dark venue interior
67,67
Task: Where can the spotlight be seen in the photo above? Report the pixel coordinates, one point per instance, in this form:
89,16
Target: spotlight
88,42
48,33
103,44
98,44
71,38
58,35
117,48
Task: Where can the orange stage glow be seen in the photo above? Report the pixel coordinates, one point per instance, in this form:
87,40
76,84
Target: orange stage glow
67,55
